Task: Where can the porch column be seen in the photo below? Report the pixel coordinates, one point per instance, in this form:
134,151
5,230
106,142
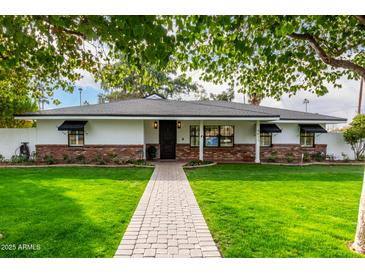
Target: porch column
257,147
201,141
144,141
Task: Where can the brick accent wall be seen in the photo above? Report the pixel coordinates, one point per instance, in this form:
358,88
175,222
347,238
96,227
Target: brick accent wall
90,152
282,152
246,152
239,152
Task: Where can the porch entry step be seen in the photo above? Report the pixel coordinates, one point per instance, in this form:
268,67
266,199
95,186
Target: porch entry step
168,222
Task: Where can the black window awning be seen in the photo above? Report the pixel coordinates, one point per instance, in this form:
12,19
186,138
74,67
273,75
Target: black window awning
72,125
312,128
269,128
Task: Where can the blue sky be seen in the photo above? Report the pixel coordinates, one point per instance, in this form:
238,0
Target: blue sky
88,93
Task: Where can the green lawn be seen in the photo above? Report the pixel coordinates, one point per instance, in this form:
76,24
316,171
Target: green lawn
279,211
67,211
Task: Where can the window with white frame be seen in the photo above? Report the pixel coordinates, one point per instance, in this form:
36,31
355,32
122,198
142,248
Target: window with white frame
214,136
75,138
265,139
194,136
307,139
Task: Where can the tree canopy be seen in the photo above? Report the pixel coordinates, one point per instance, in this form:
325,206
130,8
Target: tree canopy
272,55
355,136
49,52
262,56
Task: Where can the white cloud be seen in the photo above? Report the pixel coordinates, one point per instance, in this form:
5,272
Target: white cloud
87,81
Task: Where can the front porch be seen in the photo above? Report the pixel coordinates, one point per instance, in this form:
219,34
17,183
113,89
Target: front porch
184,140
226,141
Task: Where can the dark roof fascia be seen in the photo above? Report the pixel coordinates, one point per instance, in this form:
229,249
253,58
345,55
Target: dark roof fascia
314,119
142,115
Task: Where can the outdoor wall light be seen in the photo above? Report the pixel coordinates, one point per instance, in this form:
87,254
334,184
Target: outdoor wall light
155,125
178,124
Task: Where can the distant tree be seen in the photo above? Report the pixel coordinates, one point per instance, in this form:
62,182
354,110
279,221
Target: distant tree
255,99
355,136
9,107
135,85
15,98
227,95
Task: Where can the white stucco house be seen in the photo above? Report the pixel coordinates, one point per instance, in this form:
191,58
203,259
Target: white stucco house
179,130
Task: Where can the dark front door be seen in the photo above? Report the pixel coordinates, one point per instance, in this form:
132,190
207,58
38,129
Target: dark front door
167,139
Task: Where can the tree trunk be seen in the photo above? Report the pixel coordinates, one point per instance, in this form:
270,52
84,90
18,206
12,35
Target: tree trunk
359,244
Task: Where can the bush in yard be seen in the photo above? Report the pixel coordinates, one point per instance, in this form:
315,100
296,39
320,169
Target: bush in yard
48,159
80,158
116,160
99,160
32,157
290,157
198,162
355,136
330,157
17,159
112,157
139,162
67,159
272,157
318,156
306,157
2,158
151,152
345,157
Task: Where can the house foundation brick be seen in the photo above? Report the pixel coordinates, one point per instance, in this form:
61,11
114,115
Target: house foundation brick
89,152
239,153
290,152
246,153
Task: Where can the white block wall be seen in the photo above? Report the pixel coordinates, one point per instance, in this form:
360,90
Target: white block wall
336,145
11,139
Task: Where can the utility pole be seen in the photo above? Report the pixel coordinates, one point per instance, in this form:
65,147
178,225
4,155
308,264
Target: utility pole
80,90
306,102
360,95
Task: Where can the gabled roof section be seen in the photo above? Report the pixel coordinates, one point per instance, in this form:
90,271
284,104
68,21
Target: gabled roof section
179,109
154,96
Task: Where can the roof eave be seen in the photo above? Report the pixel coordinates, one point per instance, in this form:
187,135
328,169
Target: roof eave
316,121
144,117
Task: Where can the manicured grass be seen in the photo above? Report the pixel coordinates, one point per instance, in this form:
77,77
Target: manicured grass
280,211
68,211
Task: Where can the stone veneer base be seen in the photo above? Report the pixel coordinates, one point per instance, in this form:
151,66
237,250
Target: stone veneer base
238,153
90,152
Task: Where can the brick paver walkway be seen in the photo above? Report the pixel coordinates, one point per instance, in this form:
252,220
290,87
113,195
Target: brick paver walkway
168,222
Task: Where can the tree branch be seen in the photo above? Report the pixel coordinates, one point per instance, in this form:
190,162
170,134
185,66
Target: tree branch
361,19
326,58
58,29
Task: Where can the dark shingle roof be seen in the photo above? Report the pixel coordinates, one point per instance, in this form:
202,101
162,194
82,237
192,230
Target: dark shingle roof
171,108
